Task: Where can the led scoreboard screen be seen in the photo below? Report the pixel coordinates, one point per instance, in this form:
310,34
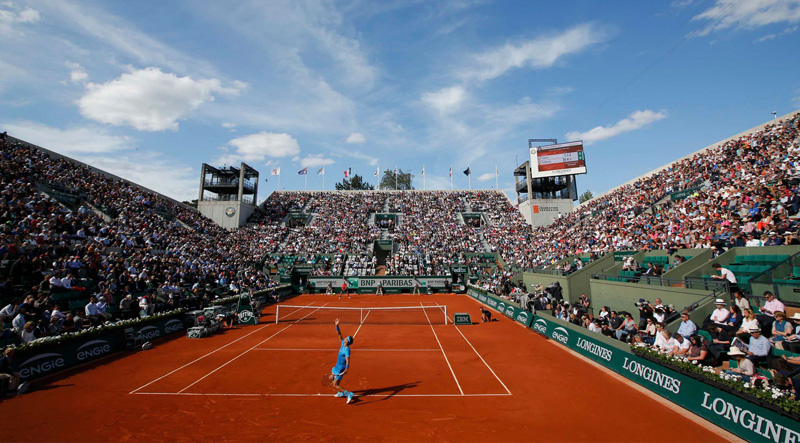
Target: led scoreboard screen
560,159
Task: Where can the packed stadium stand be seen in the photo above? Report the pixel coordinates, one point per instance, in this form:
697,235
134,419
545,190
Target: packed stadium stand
80,247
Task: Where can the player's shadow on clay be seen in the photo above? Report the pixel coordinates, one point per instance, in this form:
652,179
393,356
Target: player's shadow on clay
386,393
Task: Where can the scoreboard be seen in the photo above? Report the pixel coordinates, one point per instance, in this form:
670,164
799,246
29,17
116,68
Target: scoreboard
561,159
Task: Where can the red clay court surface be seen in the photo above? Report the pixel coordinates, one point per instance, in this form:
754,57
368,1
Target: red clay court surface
416,382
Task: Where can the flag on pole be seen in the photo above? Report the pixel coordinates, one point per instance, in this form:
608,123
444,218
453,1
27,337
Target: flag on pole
395,171
276,171
303,171
346,173
423,171
451,171
321,171
377,171
467,171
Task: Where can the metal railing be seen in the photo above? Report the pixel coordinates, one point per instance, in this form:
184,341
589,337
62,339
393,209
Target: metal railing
715,286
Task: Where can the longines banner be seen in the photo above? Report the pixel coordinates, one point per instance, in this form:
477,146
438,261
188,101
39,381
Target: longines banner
745,419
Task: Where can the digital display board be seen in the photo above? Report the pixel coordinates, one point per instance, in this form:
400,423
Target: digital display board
561,159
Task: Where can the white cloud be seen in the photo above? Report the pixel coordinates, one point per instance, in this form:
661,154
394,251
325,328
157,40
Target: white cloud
257,147
315,161
356,137
773,36
231,127
78,140
149,100
748,14
372,161
11,13
538,53
486,177
445,100
76,72
637,120
148,169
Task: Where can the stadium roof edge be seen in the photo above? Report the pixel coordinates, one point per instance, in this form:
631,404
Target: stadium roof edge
714,145
54,154
387,190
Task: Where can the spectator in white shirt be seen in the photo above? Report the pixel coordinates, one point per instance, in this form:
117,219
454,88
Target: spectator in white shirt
91,311
725,274
680,345
101,309
720,315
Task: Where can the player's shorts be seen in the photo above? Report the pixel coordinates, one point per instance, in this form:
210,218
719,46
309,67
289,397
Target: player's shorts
336,371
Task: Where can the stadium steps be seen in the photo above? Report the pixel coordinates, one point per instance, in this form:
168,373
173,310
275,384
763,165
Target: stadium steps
460,219
486,246
106,218
467,206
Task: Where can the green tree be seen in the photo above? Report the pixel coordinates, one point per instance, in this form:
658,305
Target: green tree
355,183
404,180
586,196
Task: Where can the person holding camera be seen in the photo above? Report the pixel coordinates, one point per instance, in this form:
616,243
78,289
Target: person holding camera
645,312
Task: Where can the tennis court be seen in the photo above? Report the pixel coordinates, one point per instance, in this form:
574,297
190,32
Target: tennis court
416,378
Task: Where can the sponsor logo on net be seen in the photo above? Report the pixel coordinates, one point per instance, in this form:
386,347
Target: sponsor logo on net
540,326
560,334
749,420
245,316
509,311
492,302
174,325
523,316
150,332
92,349
483,298
656,377
594,348
41,364
501,307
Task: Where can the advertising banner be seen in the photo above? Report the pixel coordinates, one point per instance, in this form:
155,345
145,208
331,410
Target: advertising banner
46,360
501,305
745,419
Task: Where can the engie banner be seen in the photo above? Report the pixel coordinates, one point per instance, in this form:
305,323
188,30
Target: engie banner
501,305
745,419
45,360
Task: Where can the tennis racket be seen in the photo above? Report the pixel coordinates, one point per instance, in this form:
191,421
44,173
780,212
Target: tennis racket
327,379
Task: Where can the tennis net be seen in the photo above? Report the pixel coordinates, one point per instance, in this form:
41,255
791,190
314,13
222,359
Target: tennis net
405,315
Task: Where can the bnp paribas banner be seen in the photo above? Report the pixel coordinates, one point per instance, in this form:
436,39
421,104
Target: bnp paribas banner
500,305
745,419
389,283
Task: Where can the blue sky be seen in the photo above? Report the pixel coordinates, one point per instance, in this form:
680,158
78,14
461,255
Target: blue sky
149,90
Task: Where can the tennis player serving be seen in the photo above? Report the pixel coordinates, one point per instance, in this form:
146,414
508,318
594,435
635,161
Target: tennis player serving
342,365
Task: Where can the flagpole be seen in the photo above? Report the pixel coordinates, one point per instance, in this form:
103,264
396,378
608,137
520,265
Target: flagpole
395,177
496,178
279,179
323,179
469,178
305,185
424,179
451,177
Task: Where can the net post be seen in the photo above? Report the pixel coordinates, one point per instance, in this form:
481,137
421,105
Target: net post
445,315
277,312
361,316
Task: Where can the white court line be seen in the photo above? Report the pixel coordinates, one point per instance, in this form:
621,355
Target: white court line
331,349
484,361
246,351
362,324
200,358
443,353
201,394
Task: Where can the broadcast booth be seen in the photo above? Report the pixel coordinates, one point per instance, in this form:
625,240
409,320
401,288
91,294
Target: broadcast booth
546,185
